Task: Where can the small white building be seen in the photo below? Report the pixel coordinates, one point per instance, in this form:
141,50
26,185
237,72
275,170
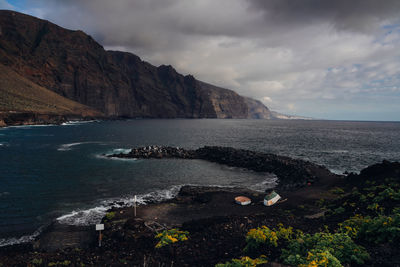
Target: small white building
271,198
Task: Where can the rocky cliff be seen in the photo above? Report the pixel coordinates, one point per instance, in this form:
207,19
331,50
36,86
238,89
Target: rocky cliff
257,110
24,102
118,84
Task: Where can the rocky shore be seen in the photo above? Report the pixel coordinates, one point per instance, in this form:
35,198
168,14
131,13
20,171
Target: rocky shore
292,173
217,227
32,118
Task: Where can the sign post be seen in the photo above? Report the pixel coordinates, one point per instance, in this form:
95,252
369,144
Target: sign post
100,227
134,205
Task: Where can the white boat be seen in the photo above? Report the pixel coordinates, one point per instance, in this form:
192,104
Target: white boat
241,200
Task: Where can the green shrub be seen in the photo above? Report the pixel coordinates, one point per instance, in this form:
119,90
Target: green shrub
373,207
376,230
380,229
337,191
110,215
171,236
244,262
320,258
37,261
396,211
339,245
60,263
389,193
266,236
352,226
355,192
339,210
371,195
320,202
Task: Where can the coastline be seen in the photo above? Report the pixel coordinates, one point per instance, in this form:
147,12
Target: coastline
8,119
216,224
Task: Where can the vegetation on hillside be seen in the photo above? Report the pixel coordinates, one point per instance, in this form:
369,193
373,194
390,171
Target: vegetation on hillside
369,215
18,94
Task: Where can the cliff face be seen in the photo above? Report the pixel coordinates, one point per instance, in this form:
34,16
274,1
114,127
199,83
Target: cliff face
257,110
24,102
118,84
225,103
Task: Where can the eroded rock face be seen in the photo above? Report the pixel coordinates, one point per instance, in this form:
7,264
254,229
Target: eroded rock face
74,65
257,110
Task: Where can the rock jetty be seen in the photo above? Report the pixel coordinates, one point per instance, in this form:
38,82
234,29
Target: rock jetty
158,152
292,173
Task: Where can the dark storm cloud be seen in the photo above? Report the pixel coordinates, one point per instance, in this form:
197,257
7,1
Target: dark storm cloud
298,56
357,15
150,23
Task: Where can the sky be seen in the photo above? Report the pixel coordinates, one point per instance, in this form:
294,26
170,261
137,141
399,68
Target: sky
322,59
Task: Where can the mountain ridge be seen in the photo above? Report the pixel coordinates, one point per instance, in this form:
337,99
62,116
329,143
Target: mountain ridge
116,84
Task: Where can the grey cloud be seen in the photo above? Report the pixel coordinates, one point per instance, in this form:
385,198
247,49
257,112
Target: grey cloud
357,15
282,51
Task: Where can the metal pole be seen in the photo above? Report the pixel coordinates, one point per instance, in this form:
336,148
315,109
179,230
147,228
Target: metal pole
100,238
134,205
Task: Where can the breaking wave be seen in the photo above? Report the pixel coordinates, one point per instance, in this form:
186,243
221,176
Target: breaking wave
68,123
22,239
116,151
94,215
68,147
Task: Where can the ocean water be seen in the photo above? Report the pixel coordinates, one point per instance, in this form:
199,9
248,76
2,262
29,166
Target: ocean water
60,173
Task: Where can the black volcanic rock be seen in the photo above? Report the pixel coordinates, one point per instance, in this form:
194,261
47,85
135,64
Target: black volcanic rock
118,84
292,173
377,172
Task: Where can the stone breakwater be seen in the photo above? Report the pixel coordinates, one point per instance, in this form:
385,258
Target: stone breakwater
158,152
292,173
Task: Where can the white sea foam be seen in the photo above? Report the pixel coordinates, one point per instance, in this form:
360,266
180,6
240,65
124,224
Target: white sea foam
31,126
84,217
68,123
67,147
94,215
116,151
104,156
20,240
271,182
339,172
121,150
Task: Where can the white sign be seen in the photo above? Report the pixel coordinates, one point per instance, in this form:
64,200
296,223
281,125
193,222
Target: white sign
99,227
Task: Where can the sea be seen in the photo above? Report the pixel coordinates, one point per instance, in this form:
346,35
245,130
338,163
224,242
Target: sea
61,172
